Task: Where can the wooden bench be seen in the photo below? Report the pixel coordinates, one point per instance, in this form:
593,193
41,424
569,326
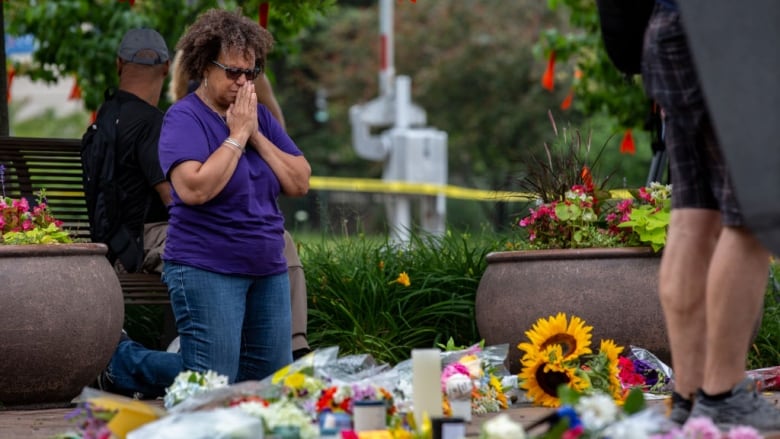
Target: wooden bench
32,164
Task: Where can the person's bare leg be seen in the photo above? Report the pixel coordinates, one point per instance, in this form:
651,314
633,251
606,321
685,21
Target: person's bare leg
298,294
693,234
735,291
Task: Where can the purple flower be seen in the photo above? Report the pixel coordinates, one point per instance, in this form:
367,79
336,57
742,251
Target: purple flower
647,370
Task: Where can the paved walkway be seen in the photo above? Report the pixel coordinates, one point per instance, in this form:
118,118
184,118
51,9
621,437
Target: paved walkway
43,424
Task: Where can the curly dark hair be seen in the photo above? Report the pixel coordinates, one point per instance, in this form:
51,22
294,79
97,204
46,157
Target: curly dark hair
218,29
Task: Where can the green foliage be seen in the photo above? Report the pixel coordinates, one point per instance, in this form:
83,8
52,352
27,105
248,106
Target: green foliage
81,37
765,350
49,124
358,300
483,91
51,234
650,224
22,225
602,87
452,346
145,324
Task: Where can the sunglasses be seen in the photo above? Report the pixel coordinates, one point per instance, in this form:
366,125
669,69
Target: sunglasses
233,73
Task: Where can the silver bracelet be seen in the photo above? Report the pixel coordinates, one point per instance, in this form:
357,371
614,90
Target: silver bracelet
234,143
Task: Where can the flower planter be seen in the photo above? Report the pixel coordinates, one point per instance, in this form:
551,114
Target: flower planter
61,314
614,290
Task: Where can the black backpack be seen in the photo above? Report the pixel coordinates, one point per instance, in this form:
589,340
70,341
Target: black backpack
623,24
99,163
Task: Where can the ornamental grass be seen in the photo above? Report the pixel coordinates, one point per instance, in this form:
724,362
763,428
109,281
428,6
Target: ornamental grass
373,296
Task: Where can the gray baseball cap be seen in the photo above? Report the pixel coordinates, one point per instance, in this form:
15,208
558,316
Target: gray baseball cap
147,40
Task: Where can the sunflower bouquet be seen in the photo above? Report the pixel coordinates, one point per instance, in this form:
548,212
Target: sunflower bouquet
559,353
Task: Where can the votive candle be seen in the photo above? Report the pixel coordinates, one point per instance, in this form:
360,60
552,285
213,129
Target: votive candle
426,383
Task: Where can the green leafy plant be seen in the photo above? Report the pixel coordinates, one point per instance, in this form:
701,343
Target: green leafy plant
574,208
650,222
21,224
360,301
581,220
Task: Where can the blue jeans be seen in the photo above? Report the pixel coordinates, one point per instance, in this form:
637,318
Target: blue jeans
134,368
237,326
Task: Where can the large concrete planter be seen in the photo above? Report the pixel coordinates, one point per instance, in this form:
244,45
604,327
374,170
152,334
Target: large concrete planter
61,314
613,290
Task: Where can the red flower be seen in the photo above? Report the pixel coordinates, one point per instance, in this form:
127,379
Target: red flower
628,375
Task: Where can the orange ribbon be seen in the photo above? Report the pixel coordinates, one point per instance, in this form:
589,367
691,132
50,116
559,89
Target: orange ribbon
627,144
549,73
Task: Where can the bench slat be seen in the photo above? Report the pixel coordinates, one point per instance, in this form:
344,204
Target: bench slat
32,164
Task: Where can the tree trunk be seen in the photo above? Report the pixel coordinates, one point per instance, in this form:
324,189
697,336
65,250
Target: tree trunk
3,76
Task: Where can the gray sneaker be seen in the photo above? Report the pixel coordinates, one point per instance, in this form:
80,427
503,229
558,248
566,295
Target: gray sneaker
744,407
679,409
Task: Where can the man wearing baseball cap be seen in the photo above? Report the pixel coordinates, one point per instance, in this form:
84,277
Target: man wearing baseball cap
143,46
142,65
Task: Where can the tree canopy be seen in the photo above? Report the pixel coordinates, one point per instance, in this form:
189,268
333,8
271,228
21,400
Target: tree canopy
80,37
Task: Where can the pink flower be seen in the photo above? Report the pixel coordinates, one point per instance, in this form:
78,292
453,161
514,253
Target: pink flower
22,204
573,433
450,370
743,432
645,195
700,428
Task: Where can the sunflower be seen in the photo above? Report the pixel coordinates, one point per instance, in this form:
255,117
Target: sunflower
600,371
612,351
541,377
573,337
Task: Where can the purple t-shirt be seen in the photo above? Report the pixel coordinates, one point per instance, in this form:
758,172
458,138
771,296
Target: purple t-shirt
240,231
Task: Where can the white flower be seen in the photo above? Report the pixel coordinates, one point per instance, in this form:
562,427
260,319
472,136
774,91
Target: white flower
342,393
640,425
283,412
589,215
189,383
502,427
597,411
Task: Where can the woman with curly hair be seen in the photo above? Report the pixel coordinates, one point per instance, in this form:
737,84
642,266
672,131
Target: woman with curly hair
228,159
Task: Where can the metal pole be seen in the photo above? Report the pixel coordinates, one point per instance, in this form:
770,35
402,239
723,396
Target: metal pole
386,50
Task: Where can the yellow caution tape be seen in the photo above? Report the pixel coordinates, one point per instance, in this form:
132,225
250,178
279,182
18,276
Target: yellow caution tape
405,188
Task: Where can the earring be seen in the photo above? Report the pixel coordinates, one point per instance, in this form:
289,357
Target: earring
206,82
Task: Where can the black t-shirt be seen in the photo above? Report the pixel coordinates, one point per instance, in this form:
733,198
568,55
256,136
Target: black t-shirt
139,170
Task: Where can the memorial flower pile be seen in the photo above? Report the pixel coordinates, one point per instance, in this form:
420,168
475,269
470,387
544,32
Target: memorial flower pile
314,395
342,398
475,380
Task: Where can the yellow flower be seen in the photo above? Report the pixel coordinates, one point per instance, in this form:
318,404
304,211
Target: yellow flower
280,375
403,279
612,352
573,337
496,385
473,364
381,265
295,380
541,380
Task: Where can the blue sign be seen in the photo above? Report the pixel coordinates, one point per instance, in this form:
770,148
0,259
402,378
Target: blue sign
21,45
